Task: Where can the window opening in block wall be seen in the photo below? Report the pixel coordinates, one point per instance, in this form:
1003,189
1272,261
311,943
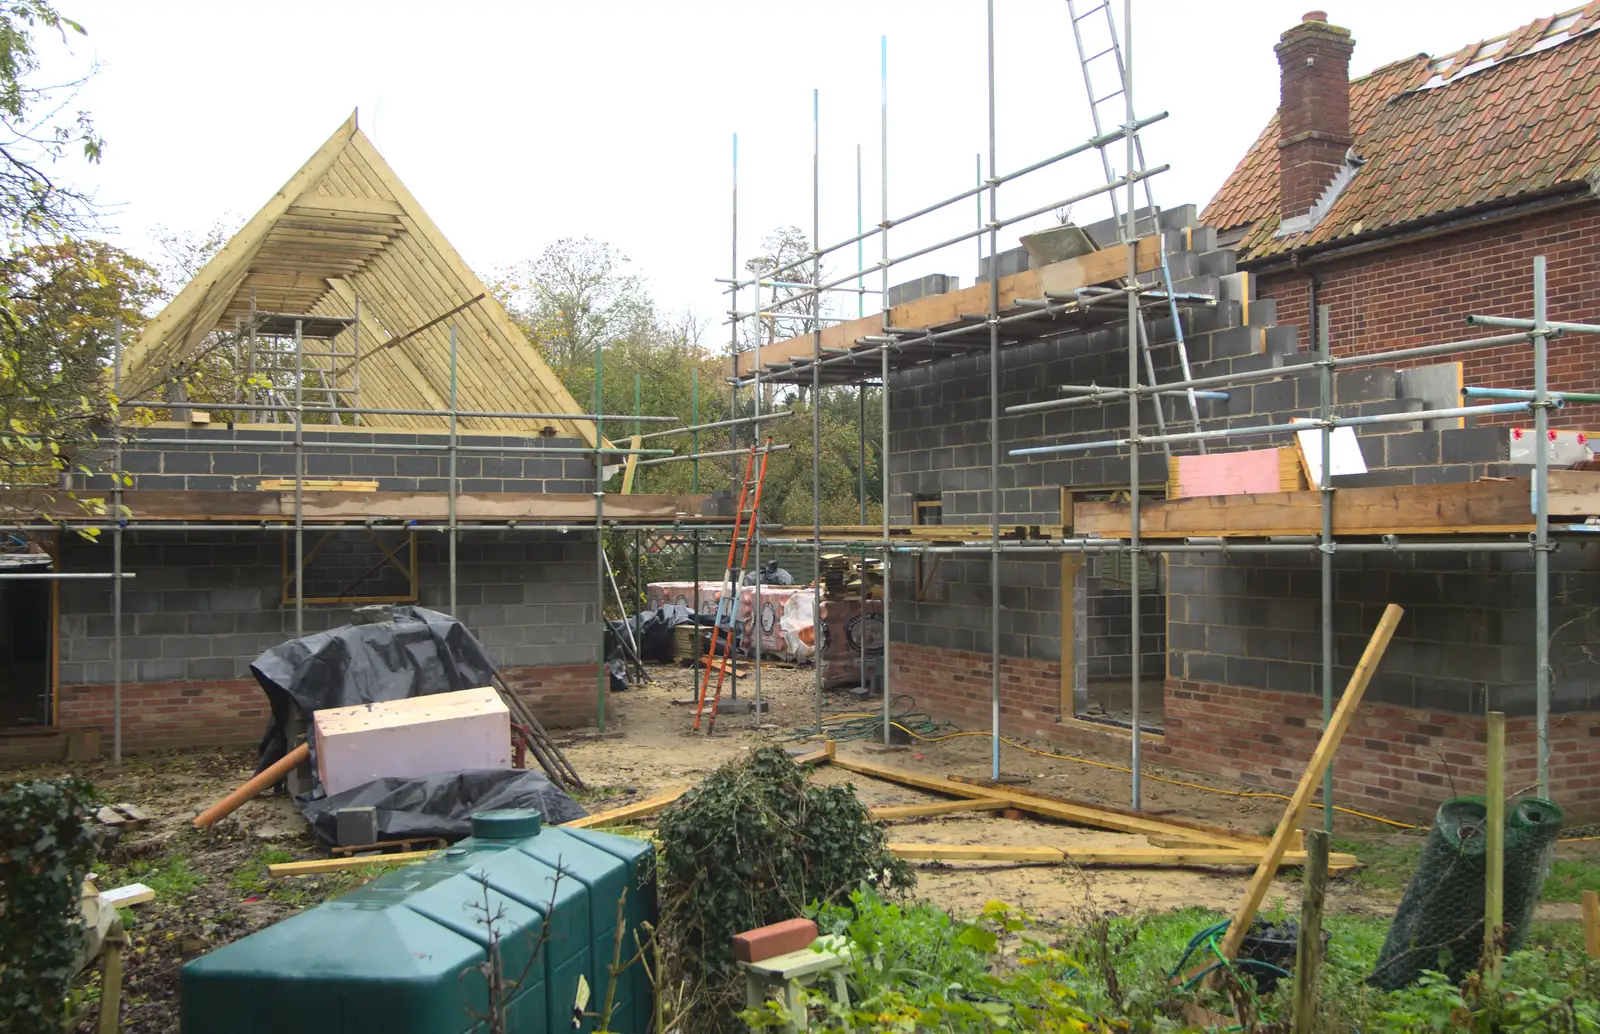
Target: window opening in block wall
928,510
345,567
28,611
1096,599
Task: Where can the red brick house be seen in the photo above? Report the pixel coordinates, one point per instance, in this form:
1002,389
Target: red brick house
1423,190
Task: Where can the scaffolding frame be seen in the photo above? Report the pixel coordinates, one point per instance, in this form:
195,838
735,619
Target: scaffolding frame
295,408
1535,332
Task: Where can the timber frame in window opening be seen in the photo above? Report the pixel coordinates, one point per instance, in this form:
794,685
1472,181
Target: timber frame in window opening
1073,694
406,565
927,586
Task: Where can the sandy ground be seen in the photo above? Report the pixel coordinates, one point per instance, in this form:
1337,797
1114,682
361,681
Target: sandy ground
651,746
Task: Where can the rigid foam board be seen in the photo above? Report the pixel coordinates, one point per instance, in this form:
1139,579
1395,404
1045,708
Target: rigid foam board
444,732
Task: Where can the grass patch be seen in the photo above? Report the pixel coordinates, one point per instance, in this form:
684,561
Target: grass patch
1389,863
171,876
251,880
1569,878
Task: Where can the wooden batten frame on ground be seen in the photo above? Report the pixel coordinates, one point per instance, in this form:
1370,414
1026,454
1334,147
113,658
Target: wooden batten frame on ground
1310,780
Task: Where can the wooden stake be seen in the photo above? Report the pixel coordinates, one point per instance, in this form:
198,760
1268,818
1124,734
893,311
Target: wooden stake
1591,923
1308,956
257,783
1494,820
637,810
318,865
111,983
1310,779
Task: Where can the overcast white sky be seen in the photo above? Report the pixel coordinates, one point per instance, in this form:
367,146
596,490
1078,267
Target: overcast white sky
519,123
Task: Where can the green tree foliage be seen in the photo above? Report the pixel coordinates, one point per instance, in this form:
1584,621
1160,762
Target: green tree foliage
579,299
59,293
63,302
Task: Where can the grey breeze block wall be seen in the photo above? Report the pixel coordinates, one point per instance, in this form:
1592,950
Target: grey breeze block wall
207,463
1465,645
204,605
940,448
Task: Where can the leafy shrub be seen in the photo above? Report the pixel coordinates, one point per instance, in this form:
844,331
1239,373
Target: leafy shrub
752,845
45,851
1554,989
916,969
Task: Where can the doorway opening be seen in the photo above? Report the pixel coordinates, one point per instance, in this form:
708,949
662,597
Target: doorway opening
27,643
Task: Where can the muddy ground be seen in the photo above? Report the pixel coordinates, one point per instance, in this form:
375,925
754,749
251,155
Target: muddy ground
212,887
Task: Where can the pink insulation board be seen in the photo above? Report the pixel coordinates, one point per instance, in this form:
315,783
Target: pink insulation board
444,732
658,593
846,631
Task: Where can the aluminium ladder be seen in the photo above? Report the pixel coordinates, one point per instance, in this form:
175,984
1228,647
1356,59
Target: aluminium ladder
1086,60
744,519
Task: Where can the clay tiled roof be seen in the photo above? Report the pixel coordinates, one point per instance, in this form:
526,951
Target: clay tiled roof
1512,116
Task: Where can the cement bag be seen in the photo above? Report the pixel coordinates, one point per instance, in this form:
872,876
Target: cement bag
799,628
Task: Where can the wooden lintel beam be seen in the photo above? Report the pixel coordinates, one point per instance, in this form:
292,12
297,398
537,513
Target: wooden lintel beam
1463,507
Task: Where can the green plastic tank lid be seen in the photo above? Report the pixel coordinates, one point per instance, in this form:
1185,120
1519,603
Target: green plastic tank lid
507,824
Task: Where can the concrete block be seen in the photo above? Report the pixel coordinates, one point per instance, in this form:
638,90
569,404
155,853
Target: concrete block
1177,218
356,827
933,283
1009,262
1472,444
1366,384
444,732
1219,263
1410,448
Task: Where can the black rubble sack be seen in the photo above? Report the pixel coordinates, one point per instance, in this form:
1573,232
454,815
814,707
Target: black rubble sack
441,805
651,631
418,653
772,574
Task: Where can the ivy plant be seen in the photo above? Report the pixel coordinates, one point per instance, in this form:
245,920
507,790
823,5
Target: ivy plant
46,848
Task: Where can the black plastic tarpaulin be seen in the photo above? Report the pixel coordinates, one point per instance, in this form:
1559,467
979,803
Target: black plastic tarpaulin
417,653
441,805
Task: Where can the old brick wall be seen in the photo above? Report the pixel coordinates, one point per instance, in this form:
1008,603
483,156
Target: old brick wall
204,605
1395,761
1418,293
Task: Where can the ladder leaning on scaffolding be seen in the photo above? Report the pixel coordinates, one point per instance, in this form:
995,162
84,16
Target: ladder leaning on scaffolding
1085,34
744,532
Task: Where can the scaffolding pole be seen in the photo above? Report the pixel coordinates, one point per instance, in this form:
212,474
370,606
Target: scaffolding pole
884,676
995,393
1134,325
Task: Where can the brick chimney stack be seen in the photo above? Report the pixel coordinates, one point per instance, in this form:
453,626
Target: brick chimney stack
1313,111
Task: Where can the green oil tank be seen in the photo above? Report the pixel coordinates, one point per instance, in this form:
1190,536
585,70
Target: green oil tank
406,952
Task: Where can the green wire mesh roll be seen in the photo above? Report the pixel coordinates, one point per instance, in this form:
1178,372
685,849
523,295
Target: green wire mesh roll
1439,924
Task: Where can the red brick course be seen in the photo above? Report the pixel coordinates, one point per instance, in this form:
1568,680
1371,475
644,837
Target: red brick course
234,712
1418,294
956,686
1396,762
561,697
